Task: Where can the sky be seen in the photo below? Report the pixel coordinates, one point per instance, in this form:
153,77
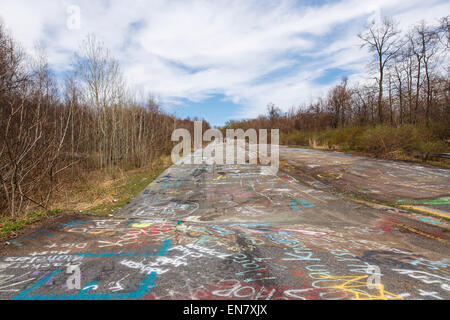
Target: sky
213,59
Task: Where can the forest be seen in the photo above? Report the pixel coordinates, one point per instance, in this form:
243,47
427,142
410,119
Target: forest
56,131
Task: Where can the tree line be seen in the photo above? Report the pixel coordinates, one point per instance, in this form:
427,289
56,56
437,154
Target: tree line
408,83
89,120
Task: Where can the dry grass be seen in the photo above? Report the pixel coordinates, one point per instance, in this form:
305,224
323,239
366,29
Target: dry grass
97,192
103,191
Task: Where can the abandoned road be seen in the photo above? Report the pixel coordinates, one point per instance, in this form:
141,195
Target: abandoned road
243,232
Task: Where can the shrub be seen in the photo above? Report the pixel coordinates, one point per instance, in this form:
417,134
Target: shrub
379,141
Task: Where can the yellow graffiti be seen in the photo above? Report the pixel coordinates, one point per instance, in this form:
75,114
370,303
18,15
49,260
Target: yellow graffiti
331,175
220,178
141,225
352,283
433,212
422,233
241,248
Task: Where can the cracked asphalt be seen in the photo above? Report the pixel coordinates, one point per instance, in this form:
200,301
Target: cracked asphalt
210,231
423,188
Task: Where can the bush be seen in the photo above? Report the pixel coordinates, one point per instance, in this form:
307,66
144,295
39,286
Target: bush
379,141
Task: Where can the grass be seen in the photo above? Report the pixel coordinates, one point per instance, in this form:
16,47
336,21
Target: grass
103,192
125,190
100,193
9,226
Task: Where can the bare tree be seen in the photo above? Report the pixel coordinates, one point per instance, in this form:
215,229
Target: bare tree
12,73
339,101
381,39
32,136
444,31
102,86
428,40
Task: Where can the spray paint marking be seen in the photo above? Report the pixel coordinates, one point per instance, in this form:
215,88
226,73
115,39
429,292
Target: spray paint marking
352,284
162,251
296,204
144,288
439,201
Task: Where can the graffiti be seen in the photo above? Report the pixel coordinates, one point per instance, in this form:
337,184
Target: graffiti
220,177
432,265
233,288
297,204
422,233
204,250
173,209
331,175
233,232
165,245
94,226
440,201
67,245
136,235
9,282
16,243
300,254
315,234
85,294
43,261
426,277
432,294
430,220
117,285
253,266
380,229
150,268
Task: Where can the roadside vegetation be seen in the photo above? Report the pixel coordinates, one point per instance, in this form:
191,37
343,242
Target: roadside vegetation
9,226
405,142
98,193
85,141
401,111
103,192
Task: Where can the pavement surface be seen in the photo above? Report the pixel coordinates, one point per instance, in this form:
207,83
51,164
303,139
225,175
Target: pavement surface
233,232
419,187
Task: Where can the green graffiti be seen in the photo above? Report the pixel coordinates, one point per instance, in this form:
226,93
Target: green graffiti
439,201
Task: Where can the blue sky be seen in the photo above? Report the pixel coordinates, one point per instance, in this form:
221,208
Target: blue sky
217,109
218,59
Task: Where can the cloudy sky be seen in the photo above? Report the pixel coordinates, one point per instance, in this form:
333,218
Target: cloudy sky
215,59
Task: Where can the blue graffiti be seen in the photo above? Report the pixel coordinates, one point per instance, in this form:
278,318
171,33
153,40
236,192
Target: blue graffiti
144,288
171,185
280,241
84,294
297,204
428,219
433,265
73,223
16,243
42,232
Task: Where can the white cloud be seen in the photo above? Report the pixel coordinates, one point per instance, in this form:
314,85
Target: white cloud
192,49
